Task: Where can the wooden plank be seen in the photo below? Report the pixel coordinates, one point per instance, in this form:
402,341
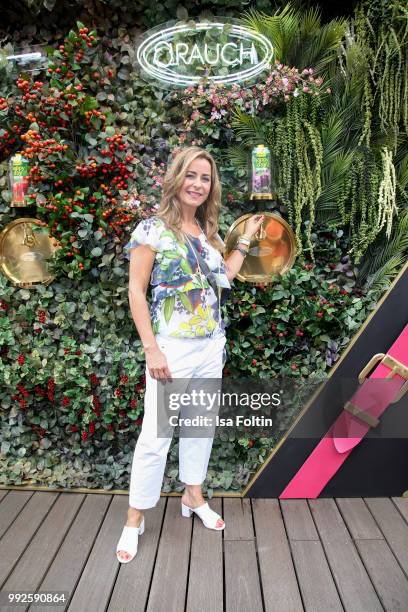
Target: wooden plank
242,581
205,580
387,576
353,583
238,519
329,522
358,519
242,585
402,505
17,538
315,580
169,584
3,493
99,574
298,520
132,584
33,564
66,568
279,583
393,526
11,506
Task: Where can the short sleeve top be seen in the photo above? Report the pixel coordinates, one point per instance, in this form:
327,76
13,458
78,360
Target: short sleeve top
184,304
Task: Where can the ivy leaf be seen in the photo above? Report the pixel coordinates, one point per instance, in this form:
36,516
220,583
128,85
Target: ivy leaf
182,13
88,103
90,139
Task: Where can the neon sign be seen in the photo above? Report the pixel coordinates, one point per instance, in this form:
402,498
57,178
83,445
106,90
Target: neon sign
223,51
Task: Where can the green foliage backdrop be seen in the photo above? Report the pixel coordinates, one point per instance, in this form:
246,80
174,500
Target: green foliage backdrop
99,139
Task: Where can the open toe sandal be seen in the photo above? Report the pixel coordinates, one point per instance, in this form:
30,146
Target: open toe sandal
129,540
208,516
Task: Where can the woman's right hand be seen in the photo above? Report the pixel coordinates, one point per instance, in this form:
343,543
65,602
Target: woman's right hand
156,363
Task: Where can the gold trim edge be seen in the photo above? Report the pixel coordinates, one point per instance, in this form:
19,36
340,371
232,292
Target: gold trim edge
96,491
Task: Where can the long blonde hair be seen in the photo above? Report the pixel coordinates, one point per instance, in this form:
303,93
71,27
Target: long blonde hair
170,207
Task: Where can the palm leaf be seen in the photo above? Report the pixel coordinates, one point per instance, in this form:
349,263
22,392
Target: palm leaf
281,29
378,257
380,280
237,155
247,127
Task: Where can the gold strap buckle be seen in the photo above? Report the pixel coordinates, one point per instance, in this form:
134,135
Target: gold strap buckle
396,367
361,414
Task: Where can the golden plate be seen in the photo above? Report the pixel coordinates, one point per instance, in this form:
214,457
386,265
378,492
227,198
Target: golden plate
25,245
272,249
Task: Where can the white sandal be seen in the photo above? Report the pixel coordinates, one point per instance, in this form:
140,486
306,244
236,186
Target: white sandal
208,516
128,541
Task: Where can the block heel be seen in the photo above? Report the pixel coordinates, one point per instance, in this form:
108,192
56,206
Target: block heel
186,511
208,516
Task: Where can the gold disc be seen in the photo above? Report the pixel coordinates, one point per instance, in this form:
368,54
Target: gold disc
272,250
25,246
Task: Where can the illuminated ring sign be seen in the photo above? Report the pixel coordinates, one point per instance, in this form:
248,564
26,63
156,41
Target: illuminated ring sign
166,53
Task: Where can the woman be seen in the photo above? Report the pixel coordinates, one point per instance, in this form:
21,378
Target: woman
180,252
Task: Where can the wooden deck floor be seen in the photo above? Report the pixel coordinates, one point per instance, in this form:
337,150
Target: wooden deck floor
317,555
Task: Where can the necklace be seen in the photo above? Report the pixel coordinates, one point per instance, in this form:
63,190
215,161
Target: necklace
198,225
202,276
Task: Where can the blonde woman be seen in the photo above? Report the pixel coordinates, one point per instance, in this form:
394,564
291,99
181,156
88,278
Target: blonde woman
180,253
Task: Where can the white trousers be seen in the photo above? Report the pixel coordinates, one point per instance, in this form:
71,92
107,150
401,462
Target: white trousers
186,358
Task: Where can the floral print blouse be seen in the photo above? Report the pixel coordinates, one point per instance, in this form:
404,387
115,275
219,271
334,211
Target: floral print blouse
184,304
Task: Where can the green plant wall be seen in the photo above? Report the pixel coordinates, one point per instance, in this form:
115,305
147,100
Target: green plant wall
70,358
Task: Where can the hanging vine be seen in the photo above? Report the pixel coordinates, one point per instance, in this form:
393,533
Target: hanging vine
385,42
373,190
297,146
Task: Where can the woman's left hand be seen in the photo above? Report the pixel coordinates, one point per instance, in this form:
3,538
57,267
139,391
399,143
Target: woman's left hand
253,224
